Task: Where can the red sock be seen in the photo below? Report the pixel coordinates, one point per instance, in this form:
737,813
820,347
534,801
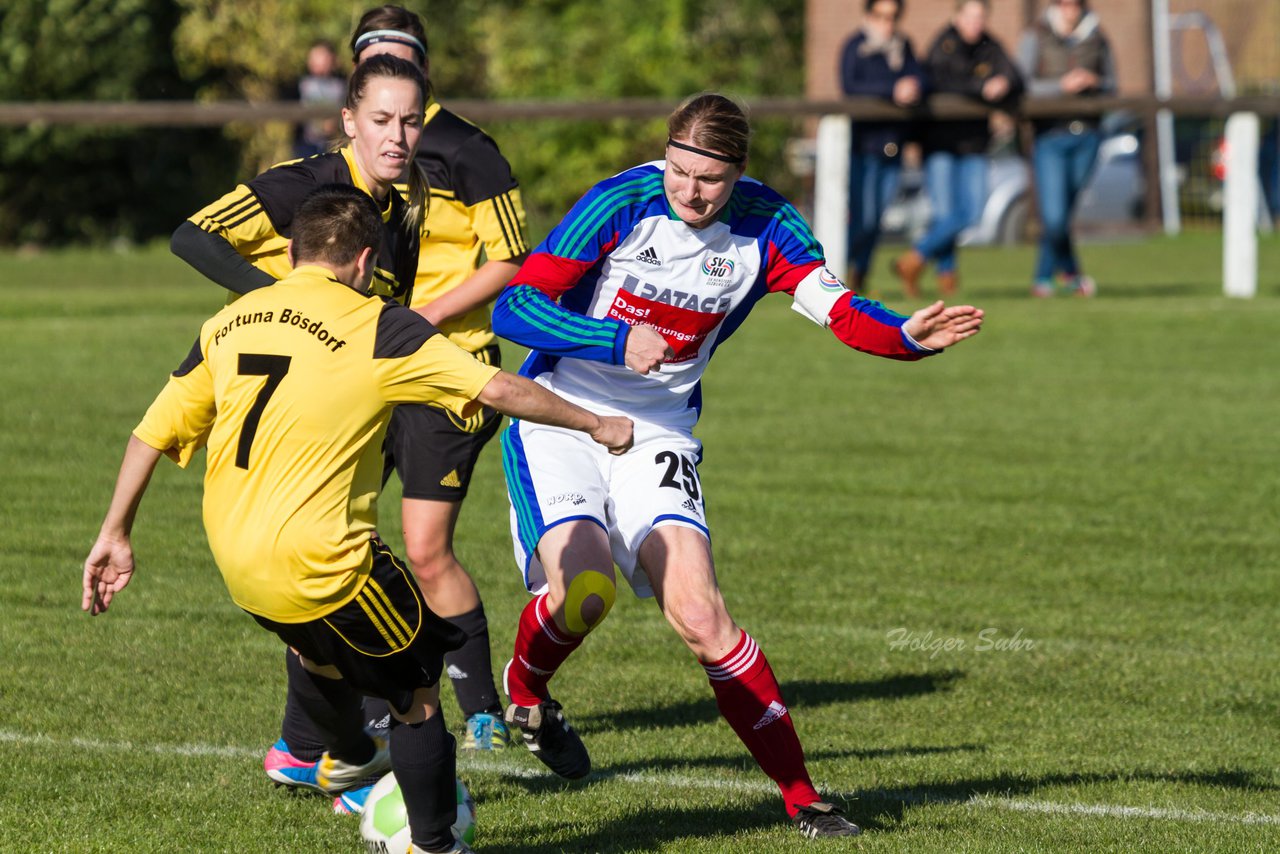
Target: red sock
751,701
541,647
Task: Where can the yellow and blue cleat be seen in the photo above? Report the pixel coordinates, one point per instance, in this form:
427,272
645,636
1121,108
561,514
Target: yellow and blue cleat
486,732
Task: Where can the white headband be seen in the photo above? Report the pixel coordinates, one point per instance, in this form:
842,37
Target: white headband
397,36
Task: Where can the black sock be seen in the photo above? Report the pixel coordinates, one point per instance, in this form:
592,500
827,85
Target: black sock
323,711
422,757
474,684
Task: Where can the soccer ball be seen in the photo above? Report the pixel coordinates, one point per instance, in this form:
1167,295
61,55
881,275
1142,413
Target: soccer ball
384,825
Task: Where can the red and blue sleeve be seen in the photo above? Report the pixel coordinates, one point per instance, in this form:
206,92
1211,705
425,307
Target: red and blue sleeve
537,309
795,265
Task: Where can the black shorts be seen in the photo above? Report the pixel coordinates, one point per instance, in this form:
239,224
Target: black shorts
435,451
385,642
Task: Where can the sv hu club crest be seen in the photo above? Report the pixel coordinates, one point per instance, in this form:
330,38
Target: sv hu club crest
718,267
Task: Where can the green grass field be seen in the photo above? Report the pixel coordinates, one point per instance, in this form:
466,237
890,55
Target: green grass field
1093,484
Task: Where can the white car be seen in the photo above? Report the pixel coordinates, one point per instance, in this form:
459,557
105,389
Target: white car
1115,194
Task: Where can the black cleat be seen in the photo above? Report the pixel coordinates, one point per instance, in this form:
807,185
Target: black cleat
550,738
821,819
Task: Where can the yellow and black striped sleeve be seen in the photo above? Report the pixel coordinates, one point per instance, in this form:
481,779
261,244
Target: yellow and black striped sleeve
256,220
485,186
235,223
241,219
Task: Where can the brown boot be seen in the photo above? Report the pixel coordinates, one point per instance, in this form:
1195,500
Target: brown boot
908,268
948,283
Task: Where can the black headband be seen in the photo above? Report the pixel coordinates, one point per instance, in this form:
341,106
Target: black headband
712,154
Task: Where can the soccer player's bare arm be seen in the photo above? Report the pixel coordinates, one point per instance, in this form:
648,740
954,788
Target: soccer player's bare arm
522,398
109,566
481,288
418,364
176,424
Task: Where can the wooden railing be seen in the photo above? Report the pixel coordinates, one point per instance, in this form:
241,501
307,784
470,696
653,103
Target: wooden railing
937,108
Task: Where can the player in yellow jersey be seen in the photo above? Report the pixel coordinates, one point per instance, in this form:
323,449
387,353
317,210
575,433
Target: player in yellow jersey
291,388
472,243
239,240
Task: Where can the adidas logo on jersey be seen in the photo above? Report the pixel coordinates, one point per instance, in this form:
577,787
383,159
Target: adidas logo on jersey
688,504
456,672
775,712
451,479
648,256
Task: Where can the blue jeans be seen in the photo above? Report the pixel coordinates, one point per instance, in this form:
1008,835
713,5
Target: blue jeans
873,179
1062,162
957,187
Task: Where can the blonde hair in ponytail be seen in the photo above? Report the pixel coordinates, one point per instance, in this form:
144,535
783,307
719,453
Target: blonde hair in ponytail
415,213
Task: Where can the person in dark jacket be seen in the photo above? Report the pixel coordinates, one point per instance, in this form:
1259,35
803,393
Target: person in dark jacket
964,60
1064,53
877,61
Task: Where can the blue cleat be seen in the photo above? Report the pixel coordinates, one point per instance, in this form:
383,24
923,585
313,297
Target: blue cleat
287,770
352,801
486,732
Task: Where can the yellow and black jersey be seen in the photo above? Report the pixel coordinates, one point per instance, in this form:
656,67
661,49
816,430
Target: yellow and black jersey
291,388
475,207
257,219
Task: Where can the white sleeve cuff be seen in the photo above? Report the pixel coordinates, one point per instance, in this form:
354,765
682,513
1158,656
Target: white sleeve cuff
913,343
817,294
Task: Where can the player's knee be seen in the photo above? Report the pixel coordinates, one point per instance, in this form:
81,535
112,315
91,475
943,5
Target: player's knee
588,600
425,704
701,624
430,561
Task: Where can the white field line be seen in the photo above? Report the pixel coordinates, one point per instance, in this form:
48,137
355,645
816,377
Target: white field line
123,746
505,768
1114,811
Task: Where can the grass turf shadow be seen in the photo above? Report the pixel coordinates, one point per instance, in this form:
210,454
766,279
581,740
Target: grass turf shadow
885,809
653,828
799,695
876,810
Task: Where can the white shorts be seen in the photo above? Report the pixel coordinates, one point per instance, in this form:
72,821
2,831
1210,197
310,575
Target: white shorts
556,475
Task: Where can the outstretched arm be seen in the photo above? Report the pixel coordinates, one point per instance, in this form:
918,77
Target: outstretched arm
939,326
522,398
109,566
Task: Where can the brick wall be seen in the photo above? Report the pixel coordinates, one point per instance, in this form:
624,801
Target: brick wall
1251,32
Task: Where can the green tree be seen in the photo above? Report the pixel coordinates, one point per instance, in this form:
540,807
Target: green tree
70,183
253,50
578,50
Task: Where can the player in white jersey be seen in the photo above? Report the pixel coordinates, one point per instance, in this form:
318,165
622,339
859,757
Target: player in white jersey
622,306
